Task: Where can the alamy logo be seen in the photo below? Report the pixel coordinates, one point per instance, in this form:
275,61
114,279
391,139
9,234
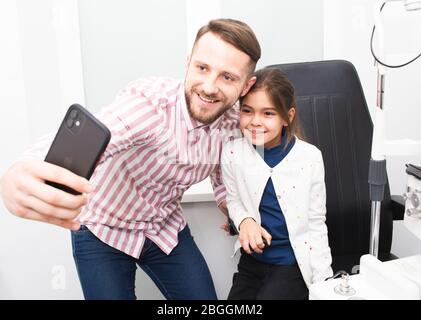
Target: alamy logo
58,279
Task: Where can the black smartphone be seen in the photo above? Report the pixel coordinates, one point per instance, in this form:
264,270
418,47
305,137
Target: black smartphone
232,229
78,144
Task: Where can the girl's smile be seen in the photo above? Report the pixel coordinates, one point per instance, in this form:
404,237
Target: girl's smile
260,121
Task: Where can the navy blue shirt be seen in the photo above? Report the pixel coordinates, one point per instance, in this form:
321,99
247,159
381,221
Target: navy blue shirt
272,218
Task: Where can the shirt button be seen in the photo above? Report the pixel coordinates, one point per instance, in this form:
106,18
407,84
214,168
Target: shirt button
271,170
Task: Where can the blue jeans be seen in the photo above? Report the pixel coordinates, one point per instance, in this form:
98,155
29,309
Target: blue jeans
107,273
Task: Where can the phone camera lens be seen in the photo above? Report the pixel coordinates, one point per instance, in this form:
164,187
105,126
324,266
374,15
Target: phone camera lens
69,123
73,114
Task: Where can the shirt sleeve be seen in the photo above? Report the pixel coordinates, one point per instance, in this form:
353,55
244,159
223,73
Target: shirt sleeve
229,131
219,190
320,255
134,118
236,209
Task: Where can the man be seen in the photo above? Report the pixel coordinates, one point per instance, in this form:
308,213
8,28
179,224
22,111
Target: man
166,136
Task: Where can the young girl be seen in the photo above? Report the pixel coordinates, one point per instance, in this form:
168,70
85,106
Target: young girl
275,196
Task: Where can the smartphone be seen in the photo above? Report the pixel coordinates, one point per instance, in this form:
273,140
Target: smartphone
78,144
232,229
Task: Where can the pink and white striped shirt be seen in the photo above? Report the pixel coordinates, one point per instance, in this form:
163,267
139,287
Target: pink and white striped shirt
155,154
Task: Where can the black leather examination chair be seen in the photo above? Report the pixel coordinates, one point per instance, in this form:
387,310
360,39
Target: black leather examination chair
334,116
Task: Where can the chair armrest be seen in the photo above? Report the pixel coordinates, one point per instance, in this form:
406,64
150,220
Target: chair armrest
397,205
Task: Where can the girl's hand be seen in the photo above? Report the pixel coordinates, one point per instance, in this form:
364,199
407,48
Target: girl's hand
252,235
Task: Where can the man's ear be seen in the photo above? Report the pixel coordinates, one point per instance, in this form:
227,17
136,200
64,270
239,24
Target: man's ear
249,84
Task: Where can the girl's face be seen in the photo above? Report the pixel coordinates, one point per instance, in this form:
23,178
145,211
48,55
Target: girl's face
260,122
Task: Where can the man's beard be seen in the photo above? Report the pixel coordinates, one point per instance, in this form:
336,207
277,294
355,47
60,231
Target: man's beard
205,119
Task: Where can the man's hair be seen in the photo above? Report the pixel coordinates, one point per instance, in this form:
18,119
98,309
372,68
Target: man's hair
236,33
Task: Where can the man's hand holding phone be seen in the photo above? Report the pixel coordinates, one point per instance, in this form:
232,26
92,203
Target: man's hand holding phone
26,194
54,190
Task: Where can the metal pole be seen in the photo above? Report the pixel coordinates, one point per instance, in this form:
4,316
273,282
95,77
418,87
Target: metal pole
375,228
377,169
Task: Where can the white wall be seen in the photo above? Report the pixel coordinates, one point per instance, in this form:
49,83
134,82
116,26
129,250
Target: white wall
40,76
127,39
288,31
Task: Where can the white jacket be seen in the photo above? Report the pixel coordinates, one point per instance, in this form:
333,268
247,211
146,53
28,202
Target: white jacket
299,184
